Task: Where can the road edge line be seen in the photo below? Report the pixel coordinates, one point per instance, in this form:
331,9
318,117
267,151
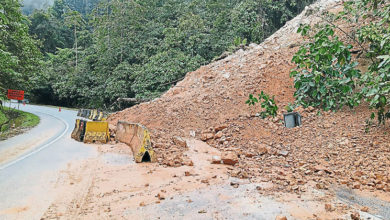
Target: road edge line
39,149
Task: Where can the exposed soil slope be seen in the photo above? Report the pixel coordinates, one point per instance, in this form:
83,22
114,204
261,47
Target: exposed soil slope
209,104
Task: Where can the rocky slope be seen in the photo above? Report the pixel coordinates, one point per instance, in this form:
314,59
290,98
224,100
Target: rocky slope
209,104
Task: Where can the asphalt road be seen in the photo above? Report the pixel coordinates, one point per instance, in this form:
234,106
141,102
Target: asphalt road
30,163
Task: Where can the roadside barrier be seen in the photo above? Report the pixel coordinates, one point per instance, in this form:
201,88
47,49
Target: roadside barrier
84,113
90,113
137,137
76,128
94,114
91,131
96,131
100,116
80,135
79,130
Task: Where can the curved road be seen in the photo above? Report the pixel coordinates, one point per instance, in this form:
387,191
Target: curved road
30,163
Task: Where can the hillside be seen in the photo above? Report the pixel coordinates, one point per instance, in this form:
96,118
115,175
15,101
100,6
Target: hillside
96,52
328,149
331,167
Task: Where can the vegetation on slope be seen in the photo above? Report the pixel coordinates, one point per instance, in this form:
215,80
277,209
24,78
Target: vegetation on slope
139,49
96,53
19,54
14,121
327,74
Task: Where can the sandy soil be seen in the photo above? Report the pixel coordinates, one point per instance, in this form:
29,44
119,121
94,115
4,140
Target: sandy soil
112,186
114,177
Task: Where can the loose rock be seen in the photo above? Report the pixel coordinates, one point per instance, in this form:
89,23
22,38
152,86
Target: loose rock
328,207
234,184
229,158
279,217
207,136
179,141
216,160
355,216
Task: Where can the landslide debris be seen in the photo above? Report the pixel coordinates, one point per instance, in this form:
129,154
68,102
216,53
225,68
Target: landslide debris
209,104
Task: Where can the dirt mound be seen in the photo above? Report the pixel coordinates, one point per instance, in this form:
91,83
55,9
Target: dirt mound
209,104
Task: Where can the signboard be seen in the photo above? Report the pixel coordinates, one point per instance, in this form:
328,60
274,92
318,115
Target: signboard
15,94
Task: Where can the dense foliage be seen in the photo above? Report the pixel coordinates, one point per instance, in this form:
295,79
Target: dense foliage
19,54
328,78
139,49
325,75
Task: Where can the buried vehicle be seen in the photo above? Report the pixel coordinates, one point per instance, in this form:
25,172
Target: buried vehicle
137,137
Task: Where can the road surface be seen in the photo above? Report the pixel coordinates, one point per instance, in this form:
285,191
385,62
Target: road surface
30,163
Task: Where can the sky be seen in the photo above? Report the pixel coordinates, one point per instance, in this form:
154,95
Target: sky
30,5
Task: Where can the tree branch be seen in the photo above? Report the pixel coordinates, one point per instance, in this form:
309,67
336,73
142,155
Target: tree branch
348,35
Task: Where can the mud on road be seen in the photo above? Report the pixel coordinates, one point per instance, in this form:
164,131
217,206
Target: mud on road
112,186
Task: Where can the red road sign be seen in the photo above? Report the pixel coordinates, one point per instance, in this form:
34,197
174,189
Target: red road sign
15,94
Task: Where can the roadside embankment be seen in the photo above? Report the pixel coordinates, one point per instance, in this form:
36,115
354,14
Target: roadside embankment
13,122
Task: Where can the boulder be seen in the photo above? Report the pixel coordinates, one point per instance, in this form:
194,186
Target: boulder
216,160
229,158
207,136
220,128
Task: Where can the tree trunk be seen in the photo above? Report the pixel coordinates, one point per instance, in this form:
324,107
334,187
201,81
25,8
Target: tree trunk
108,25
131,100
86,7
75,38
121,25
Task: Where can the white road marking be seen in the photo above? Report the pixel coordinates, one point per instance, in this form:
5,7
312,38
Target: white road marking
39,149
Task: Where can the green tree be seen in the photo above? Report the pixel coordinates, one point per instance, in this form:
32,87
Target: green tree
328,57
74,20
325,75
19,54
141,48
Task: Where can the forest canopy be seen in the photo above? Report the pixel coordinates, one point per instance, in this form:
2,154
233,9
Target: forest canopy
97,51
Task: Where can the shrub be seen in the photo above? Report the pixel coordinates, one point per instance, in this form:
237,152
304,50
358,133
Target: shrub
268,104
325,75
